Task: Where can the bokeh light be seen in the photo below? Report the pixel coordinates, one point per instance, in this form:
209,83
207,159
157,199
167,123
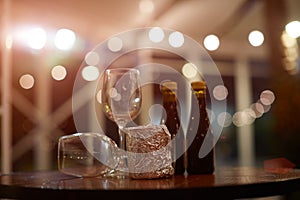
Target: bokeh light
287,40
220,92
245,117
115,44
258,109
92,58
90,73
224,119
176,39
26,81
211,42
189,70
156,34
293,29
36,38
64,39
256,38
267,97
59,72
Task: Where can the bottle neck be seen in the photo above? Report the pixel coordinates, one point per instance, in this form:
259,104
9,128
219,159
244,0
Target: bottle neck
169,96
200,94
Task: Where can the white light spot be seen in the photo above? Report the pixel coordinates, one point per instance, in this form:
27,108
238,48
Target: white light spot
92,58
156,34
26,81
256,38
90,73
293,29
59,72
189,70
220,92
176,39
137,100
115,44
64,39
211,42
36,38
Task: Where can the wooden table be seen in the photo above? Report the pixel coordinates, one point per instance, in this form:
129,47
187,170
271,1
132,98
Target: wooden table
227,183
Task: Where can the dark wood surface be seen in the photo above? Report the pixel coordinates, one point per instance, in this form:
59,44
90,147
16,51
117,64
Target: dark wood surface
228,183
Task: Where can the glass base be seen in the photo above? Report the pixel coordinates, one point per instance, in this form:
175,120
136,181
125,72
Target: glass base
116,174
121,171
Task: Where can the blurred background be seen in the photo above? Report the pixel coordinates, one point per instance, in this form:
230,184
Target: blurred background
254,44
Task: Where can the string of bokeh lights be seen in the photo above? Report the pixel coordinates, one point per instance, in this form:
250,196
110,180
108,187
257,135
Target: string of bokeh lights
65,39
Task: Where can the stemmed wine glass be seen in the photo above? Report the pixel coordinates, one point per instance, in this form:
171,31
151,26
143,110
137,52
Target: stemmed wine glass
121,100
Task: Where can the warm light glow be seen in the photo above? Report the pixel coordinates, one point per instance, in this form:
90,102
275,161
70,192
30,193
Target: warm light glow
115,44
189,70
36,38
267,97
287,40
99,96
211,42
59,72
258,109
256,38
90,73
244,117
293,29
176,39
146,6
64,39
156,34
26,81
92,58
9,42
220,92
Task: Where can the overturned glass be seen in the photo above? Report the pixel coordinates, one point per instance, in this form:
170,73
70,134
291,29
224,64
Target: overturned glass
94,154
87,155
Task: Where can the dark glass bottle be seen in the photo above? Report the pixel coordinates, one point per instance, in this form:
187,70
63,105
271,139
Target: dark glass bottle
199,128
172,121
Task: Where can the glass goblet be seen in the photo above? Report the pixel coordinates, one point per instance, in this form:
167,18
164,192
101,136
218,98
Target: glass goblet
121,100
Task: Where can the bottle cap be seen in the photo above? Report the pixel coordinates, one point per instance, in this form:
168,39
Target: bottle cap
169,85
198,85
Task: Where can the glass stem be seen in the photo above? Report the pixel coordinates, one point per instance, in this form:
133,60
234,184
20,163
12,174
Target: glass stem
121,125
122,144
121,138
